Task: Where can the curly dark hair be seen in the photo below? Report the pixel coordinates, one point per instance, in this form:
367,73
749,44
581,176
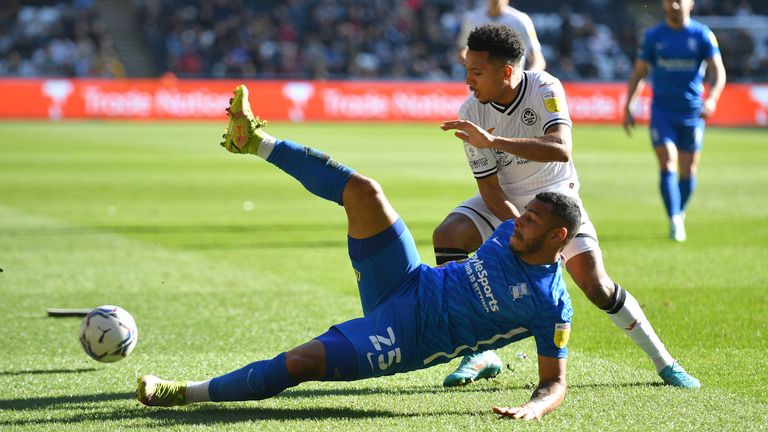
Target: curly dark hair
499,41
565,209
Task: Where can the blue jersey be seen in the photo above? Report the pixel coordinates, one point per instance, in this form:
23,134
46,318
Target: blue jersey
677,60
417,316
490,300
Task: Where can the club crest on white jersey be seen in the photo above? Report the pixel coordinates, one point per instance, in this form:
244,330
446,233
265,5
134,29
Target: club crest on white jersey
540,104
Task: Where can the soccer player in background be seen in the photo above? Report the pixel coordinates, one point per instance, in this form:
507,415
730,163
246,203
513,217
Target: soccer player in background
674,53
517,138
415,316
500,12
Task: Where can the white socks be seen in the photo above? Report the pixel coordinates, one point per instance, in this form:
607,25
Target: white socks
197,391
632,320
267,144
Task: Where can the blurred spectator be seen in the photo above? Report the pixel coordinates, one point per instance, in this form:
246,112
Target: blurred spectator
55,39
340,39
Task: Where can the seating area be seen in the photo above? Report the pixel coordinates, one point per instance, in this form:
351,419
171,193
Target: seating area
585,40
61,39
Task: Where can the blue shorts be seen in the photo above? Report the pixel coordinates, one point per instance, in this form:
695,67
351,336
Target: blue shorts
686,133
387,267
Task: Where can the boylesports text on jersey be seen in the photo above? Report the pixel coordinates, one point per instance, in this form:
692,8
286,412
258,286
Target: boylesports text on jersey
478,277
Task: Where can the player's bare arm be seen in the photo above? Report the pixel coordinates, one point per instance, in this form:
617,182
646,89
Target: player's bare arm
496,199
548,395
635,86
536,61
554,146
716,71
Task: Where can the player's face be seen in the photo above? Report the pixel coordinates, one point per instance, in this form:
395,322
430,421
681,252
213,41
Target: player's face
532,228
677,11
486,79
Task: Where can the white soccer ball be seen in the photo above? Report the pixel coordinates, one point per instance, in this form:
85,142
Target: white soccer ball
108,333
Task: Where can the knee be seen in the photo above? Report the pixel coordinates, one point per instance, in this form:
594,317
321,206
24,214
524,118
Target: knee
443,235
302,367
362,188
600,293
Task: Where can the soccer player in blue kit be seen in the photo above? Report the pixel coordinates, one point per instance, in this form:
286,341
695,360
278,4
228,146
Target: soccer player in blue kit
414,316
674,53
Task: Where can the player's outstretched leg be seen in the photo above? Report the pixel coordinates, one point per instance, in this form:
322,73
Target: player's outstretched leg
245,134
368,211
329,357
480,365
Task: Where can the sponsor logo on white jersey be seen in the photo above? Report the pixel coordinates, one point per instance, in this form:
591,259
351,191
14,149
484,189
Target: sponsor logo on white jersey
503,158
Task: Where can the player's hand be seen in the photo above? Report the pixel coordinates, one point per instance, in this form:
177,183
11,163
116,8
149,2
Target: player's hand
629,122
708,109
523,412
470,132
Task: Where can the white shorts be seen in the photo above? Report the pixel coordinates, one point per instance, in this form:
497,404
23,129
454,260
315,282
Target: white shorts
486,222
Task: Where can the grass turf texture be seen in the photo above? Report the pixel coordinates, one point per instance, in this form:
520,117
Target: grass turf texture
223,260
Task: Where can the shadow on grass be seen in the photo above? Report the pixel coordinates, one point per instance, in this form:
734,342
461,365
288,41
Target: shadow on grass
205,414
50,402
69,407
53,401
394,391
45,371
228,414
208,415
607,385
231,413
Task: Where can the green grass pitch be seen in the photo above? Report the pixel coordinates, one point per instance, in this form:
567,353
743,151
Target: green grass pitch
223,260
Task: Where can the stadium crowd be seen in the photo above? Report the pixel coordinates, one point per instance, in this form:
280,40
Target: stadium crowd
44,38
328,39
393,39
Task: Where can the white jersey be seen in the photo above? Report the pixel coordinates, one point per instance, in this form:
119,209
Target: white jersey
539,104
509,16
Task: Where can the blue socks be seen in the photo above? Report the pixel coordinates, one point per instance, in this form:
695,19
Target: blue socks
259,380
670,192
676,194
266,378
687,186
319,174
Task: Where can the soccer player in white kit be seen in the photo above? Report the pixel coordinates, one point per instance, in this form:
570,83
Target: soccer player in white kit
517,134
500,12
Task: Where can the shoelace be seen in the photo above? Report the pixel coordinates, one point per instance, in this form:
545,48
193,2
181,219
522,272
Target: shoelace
172,391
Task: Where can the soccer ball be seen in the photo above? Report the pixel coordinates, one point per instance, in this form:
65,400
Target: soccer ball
108,333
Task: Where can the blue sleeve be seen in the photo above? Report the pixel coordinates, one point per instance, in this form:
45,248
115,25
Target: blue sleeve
711,48
645,52
546,336
553,329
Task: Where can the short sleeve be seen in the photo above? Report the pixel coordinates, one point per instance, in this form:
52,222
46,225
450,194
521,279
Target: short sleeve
552,97
645,51
552,341
711,48
482,162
